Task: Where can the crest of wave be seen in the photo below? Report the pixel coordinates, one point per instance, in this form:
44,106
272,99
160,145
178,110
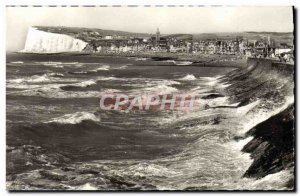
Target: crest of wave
74,118
189,77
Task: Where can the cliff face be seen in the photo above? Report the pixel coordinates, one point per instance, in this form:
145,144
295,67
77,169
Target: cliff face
44,42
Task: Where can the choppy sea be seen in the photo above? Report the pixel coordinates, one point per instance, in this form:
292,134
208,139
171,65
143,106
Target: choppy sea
58,139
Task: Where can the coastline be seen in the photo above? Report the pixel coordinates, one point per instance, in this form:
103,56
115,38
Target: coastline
201,60
266,149
273,145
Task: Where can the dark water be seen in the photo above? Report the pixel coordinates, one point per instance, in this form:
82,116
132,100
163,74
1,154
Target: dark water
57,140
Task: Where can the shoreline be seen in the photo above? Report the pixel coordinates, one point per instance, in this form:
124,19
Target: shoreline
272,146
201,60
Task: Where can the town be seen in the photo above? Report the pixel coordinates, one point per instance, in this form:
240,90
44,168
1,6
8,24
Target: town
265,47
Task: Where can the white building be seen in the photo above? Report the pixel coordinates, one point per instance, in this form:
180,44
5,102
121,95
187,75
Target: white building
108,37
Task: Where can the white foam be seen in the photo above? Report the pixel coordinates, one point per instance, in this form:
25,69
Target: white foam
49,62
22,86
17,62
245,109
123,67
149,169
52,90
183,62
140,59
102,68
188,77
58,64
36,79
55,93
213,82
219,101
84,83
87,186
270,181
161,89
254,119
107,78
79,72
75,118
276,181
239,145
57,74
170,61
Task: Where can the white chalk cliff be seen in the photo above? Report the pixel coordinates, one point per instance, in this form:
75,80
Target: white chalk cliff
44,42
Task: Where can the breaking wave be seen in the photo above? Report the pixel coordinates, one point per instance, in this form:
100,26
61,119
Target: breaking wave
74,118
189,77
101,68
58,64
141,59
183,62
45,78
211,159
80,84
17,62
161,89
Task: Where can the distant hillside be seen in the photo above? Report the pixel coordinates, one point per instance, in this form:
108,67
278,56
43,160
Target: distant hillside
278,37
180,36
86,33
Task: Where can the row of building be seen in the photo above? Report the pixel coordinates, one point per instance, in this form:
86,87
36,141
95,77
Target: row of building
263,48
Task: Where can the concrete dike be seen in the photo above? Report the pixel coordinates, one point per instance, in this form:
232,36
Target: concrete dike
272,84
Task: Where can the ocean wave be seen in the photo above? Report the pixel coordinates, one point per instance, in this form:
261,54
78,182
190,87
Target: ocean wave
78,72
87,187
160,89
48,80
16,62
142,82
51,91
141,59
179,62
108,78
213,82
74,118
189,77
277,181
145,169
58,64
85,83
183,62
51,64
124,66
255,117
101,68
56,75
48,77
80,84
170,61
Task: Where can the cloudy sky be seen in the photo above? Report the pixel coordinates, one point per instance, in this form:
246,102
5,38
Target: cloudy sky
147,19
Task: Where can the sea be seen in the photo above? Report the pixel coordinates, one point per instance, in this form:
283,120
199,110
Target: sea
57,138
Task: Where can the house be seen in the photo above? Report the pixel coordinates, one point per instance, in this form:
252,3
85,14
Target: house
108,37
279,51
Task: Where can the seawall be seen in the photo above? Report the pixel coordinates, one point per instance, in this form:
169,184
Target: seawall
271,83
268,65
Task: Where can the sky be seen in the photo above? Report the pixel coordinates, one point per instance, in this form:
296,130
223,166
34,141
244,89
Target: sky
147,19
